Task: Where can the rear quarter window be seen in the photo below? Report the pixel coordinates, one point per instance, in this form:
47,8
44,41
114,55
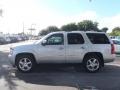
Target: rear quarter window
98,38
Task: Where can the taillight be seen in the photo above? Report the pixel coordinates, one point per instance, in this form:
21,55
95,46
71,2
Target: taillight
112,49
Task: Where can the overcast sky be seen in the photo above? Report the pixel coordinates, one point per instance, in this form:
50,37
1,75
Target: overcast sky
42,13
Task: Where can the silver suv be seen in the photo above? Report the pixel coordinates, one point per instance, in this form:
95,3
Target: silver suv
92,49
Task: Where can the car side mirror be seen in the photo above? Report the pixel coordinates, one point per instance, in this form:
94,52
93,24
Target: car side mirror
44,42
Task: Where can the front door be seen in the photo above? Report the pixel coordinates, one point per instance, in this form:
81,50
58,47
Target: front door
54,49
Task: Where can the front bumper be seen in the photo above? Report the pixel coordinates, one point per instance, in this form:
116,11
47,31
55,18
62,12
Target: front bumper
12,59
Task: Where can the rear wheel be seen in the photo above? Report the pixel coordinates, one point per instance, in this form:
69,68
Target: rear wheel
25,63
92,63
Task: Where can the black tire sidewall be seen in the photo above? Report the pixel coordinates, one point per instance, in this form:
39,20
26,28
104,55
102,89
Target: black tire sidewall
25,56
89,57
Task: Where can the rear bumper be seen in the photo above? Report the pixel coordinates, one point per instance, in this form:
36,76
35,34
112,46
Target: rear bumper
111,59
108,60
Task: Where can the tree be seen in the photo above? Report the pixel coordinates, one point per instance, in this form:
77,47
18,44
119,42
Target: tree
88,25
48,30
69,27
43,32
115,31
52,29
105,29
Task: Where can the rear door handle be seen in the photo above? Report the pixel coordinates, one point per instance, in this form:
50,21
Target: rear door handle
61,48
82,47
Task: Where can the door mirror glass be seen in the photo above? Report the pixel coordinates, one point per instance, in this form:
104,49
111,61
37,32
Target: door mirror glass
44,42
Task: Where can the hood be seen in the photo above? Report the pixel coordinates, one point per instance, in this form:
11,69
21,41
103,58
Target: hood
22,44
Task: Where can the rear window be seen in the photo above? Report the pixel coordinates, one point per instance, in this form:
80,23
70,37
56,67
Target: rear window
98,38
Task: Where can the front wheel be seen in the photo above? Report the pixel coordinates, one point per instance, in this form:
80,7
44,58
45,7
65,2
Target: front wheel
25,63
92,63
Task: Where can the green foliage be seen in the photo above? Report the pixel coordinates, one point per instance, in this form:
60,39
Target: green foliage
69,27
48,30
52,29
88,25
115,31
105,29
85,25
43,32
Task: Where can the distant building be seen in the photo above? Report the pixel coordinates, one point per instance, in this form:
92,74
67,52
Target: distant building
1,34
115,37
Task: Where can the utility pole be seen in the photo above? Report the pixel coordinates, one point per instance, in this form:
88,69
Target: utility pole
1,12
32,29
23,28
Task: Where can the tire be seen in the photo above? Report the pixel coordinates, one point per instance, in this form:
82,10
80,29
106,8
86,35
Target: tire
25,63
92,63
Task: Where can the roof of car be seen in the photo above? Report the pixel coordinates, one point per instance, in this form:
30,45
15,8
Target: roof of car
79,32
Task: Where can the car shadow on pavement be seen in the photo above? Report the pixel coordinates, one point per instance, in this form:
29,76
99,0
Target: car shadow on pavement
65,75
6,82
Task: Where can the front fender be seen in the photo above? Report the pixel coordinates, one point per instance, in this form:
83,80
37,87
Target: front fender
27,51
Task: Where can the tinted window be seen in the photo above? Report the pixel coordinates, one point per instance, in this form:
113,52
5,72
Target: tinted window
75,38
98,38
56,39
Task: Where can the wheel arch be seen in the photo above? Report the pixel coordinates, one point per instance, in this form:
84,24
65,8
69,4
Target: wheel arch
25,53
98,54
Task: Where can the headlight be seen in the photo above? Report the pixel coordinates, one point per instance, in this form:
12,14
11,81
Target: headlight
11,51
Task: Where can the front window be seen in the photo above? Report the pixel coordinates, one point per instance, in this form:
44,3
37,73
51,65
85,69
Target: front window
56,39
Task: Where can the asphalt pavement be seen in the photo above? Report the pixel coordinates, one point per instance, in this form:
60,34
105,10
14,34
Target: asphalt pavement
57,77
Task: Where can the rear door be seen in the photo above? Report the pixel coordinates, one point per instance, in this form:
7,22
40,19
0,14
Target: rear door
74,48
